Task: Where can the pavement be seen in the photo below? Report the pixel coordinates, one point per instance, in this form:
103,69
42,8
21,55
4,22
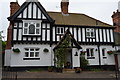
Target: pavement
45,75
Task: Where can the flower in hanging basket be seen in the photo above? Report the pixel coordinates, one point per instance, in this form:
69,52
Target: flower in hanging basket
46,50
83,52
110,52
16,50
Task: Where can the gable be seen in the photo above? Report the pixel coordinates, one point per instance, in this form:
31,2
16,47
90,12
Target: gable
68,37
31,10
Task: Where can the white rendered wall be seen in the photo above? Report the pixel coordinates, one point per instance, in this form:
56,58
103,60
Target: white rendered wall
108,61
17,58
91,61
110,58
7,57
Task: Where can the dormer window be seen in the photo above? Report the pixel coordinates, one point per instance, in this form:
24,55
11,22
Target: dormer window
31,28
90,33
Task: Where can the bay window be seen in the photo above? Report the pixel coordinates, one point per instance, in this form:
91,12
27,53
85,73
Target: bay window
31,28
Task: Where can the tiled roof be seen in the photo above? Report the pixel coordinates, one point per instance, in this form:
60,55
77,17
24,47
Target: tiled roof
76,19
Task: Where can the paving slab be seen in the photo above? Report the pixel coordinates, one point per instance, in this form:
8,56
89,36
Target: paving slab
45,75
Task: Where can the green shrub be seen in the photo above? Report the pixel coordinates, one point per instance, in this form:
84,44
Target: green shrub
83,62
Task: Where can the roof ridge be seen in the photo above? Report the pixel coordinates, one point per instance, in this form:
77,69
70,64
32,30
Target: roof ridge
31,1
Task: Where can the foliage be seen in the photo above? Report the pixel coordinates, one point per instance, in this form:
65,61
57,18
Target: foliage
96,70
83,62
110,52
16,50
83,52
60,52
3,45
46,50
50,68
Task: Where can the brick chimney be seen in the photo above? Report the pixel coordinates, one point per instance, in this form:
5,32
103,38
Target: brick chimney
14,6
64,6
116,18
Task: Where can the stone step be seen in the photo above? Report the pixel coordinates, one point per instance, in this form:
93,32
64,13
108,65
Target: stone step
68,70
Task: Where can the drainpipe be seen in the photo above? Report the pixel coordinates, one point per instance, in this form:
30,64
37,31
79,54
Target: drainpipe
116,64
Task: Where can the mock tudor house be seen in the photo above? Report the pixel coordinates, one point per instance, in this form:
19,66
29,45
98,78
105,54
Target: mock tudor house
36,33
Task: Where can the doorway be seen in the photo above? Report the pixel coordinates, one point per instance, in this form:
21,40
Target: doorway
68,59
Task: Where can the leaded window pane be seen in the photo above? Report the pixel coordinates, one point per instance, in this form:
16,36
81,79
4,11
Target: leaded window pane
61,30
31,49
37,25
91,51
26,54
37,49
88,34
88,54
92,34
103,52
31,54
26,49
36,54
58,30
31,29
26,24
25,31
37,31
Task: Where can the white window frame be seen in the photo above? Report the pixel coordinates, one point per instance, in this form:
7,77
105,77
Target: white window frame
31,22
91,55
60,30
34,52
90,31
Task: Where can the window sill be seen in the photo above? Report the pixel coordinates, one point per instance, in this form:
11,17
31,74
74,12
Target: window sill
60,33
104,57
90,57
90,37
32,35
31,58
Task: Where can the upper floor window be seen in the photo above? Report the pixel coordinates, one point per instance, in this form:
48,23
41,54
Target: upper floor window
31,28
60,30
90,33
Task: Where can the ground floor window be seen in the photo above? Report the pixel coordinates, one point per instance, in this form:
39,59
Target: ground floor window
104,53
31,53
90,53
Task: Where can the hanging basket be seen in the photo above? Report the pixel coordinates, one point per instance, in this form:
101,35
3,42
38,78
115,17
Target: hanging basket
16,50
45,50
110,52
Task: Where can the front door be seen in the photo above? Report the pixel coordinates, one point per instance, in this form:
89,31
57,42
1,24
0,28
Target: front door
68,59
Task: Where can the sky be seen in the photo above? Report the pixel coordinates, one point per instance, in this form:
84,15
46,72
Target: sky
101,10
